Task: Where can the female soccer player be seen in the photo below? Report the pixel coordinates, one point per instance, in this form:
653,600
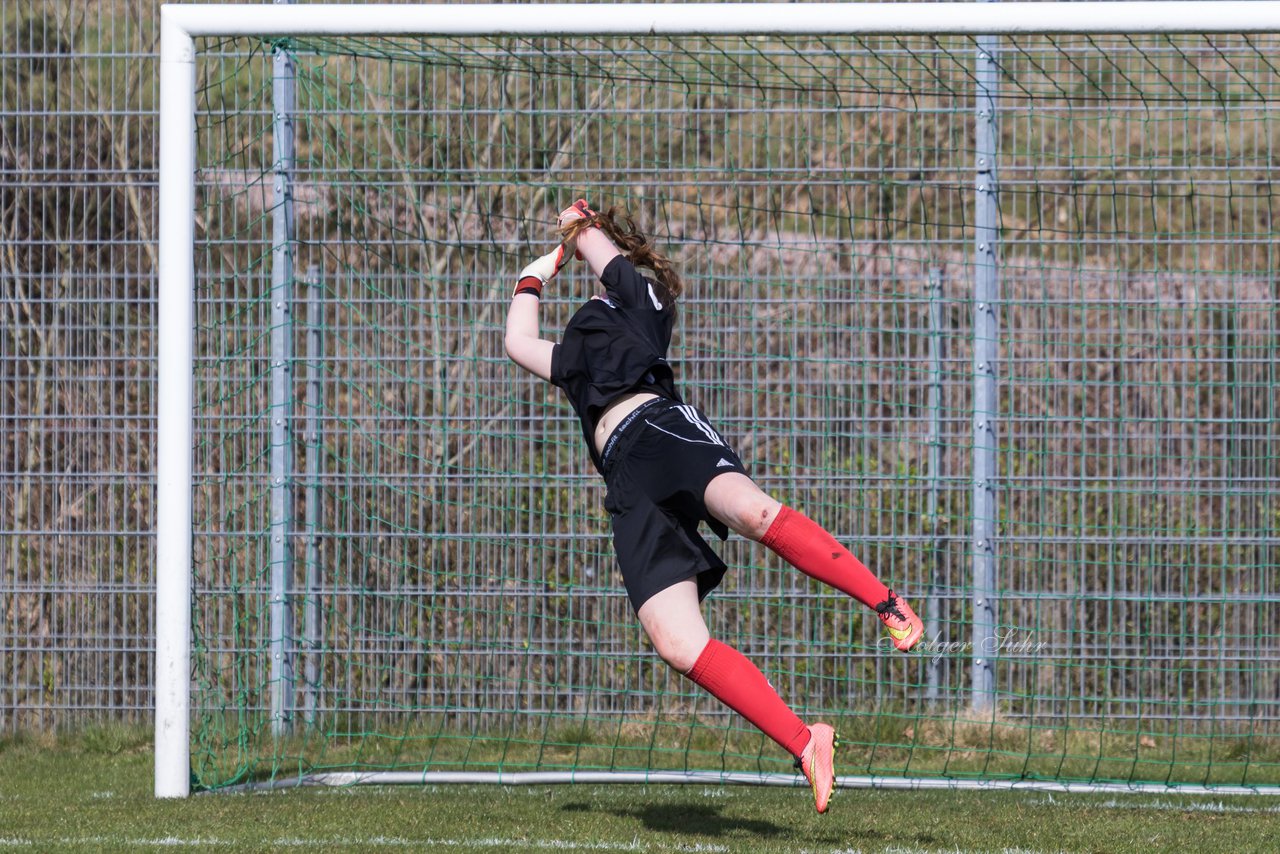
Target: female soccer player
667,469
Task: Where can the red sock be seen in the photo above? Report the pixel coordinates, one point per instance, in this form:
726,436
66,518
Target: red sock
739,684
809,548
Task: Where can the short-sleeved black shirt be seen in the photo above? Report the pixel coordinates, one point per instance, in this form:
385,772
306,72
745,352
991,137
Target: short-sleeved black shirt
614,346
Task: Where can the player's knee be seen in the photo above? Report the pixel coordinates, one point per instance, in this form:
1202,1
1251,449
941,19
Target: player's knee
739,503
753,518
679,653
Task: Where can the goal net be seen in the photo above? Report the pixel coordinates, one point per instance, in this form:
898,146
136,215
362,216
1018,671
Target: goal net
400,564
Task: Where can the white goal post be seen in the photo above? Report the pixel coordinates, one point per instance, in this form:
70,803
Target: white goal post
181,25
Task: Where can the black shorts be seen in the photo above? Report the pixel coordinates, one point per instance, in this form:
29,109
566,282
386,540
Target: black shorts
657,465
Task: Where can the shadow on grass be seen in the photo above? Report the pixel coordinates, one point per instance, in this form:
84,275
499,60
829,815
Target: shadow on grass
699,818
702,819
707,820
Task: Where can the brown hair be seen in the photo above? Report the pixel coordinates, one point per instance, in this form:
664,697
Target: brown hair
635,244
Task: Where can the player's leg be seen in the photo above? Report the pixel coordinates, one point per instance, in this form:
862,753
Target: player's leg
672,618
736,500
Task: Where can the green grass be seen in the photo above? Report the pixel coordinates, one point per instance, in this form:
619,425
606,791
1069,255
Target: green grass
92,792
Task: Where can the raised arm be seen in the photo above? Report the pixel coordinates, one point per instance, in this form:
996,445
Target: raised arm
524,346
524,343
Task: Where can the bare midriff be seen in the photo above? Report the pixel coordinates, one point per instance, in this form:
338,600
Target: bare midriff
615,412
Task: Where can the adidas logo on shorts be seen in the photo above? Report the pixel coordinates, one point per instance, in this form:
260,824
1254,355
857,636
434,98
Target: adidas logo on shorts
723,462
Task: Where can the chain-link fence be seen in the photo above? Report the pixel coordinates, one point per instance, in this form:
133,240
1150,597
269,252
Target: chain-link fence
77,231
1180,370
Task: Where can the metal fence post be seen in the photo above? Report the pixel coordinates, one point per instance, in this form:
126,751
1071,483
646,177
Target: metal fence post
311,501
281,488
934,441
986,344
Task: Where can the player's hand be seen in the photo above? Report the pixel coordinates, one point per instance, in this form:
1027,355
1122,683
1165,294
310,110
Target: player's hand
541,271
577,210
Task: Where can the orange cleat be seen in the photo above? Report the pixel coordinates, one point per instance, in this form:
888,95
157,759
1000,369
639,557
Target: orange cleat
904,626
818,763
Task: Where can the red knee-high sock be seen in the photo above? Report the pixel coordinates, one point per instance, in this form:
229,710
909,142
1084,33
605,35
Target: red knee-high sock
809,548
739,684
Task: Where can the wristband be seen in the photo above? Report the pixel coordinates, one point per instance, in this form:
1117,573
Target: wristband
529,285
541,271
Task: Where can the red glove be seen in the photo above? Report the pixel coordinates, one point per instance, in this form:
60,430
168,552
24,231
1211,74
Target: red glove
537,274
577,210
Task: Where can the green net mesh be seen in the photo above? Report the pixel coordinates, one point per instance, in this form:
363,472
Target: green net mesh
452,589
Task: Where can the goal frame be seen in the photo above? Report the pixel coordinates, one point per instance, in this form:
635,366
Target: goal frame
180,25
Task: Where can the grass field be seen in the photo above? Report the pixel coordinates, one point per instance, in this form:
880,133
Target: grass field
92,792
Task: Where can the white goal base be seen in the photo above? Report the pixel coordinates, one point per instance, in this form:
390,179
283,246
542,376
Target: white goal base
718,778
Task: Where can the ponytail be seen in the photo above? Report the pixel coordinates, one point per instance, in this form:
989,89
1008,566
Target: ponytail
639,248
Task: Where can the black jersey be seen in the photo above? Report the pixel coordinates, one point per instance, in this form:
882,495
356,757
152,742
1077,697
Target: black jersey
613,346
